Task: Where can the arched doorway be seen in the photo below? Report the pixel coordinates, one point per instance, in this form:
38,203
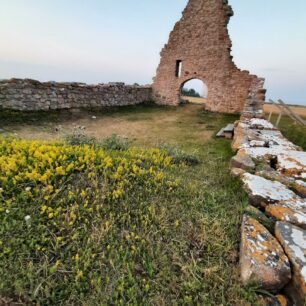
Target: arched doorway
194,91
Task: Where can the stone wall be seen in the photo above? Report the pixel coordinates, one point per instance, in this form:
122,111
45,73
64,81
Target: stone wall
273,231
31,95
200,40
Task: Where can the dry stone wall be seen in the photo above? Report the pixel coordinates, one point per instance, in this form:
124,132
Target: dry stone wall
199,47
32,95
273,232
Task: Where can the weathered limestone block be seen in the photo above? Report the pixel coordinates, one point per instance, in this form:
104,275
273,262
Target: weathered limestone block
298,186
259,124
263,192
237,172
258,215
292,211
257,143
260,142
276,176
262,260
242,161
241,139
293,240
292,163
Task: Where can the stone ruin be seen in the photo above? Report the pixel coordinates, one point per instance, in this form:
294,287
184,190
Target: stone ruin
273,231
32,95
272,169
199,47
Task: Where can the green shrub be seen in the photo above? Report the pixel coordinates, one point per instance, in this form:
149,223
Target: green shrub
115,142
79,139
180,156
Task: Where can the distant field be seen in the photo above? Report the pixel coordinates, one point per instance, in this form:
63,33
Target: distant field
301,110
195,100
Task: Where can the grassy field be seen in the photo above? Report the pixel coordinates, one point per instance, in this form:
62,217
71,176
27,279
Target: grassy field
294,132
195,100
107,224
300,110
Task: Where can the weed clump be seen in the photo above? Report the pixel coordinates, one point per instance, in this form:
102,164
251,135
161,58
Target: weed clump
180,156
115,143
80,139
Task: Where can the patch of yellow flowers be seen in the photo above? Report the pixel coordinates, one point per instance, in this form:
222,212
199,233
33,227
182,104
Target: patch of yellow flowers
36,162
65,199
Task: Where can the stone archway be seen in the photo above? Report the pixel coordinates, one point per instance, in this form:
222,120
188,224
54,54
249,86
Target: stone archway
200,47
194,90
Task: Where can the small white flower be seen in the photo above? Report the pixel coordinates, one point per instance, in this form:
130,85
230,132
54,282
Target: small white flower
1,190
27,218
7,211
28,189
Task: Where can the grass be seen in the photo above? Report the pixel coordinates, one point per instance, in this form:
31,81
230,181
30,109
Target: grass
292,131
123,227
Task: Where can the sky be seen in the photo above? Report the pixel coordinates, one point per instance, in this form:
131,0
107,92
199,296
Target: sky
98,41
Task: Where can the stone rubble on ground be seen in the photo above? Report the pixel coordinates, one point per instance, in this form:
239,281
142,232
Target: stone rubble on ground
273,172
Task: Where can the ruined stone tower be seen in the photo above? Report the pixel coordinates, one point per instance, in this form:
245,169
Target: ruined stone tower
199,47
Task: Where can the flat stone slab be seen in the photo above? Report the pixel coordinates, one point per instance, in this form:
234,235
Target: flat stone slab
298,186
261,142
237,172
229,128
275,138
257,143
265,152
227,131
289,162
242,161
261,217
293,240
262,259
263,192
220,133
257,123
292,211
292,163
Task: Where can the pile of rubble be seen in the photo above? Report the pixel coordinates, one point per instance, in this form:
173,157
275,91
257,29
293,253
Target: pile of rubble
273,233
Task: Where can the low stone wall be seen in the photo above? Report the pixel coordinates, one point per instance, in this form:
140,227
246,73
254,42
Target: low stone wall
273,232
32,95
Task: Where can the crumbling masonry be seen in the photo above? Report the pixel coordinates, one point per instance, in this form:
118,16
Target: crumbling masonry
199,47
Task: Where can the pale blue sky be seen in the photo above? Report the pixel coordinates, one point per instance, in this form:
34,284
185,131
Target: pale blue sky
120,40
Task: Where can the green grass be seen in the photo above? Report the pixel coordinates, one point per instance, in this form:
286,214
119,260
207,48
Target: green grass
292,131
169,239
